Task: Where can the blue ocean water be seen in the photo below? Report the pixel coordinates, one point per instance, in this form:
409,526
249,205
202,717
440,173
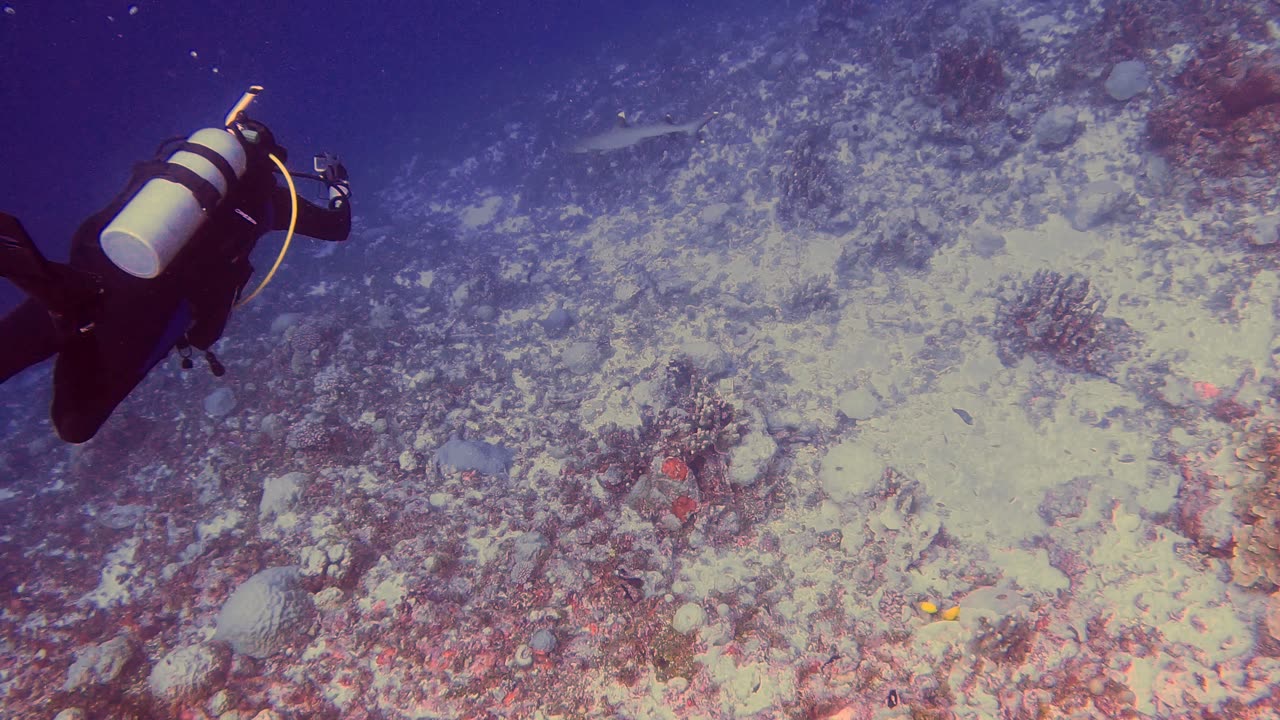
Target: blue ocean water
90,88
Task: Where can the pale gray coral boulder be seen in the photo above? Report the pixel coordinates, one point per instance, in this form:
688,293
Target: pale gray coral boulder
100,664
189,673
269,613
1127,79
1096,203
1057,127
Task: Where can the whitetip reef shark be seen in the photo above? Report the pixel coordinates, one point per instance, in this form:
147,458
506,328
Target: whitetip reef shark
624,134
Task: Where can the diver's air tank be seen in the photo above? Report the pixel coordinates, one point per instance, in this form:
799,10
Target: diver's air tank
151,229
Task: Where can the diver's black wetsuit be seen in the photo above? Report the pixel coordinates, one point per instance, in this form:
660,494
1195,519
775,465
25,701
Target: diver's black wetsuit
138,321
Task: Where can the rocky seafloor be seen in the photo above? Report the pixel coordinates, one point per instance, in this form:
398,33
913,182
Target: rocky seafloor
935,380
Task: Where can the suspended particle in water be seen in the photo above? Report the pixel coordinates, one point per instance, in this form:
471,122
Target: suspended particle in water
215,71
8,10
194,54
133,9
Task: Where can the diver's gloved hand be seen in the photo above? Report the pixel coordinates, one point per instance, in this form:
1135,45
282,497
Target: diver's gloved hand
335,174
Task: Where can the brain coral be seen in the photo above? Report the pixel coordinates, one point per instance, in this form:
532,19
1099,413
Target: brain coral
266,614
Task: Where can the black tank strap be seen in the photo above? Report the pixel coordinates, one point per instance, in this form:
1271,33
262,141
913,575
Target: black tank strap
204,191
224,167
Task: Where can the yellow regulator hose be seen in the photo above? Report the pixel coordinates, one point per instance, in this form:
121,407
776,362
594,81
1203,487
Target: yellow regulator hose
293,222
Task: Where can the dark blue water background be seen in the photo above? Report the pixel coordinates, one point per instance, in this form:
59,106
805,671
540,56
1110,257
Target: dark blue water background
88,88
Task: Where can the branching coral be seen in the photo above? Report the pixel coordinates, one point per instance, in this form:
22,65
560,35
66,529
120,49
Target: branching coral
1056,315
696,427
812,295
895,239
698,422
1006,641
969,76
810,194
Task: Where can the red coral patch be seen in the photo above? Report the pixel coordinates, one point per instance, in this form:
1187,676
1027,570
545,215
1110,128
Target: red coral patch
675,468
684,506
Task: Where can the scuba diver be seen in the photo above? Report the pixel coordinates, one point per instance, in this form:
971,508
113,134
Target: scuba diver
160,268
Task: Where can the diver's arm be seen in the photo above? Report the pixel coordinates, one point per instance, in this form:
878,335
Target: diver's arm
331,223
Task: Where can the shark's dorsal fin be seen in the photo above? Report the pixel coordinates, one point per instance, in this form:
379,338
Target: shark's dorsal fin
622,120
670,120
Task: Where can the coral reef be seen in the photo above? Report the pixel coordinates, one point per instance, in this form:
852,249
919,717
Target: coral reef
1065,502
1257,548
609,543
1125,30
1057,316
647,642
1255,560
310,434
1223,120
101,664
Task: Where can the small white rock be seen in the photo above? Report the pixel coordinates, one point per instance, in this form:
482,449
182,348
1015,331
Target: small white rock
408,461
858,403
1264,230
750,458
280,493
688,618
1127,79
